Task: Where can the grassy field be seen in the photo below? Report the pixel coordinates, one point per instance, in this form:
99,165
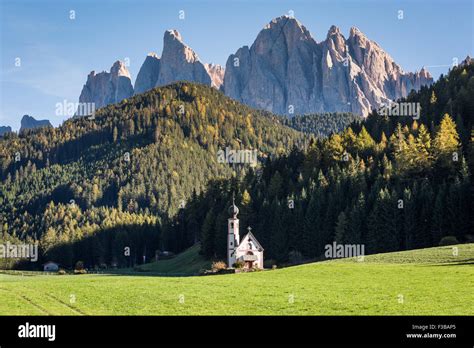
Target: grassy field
423,282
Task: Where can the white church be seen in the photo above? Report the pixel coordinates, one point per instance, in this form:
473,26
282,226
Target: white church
249,251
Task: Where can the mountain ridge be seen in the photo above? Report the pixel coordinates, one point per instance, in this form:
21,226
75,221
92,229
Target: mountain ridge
336,74
286,71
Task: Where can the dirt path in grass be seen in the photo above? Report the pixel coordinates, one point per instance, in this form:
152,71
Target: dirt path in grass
28,300
72,308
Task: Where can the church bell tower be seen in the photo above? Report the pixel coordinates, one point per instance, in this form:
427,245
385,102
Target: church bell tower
233,238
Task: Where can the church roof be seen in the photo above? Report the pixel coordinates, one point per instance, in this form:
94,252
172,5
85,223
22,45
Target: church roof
251,237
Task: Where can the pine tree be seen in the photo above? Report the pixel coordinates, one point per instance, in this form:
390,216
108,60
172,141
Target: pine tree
446,143
246,211
387,168
207,235
409,220
335,148
115,134
321,181
357,221
342,229
383,142
294,219
220,234
156,134
312,159
364,141
400,149
278,248
439,227
275,187
433,98
424,204
313,224
383,233
470,158
423,149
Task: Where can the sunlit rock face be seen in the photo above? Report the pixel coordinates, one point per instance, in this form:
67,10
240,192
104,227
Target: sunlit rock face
287,71
107,87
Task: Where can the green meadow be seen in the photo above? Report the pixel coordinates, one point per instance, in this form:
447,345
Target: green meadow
434,281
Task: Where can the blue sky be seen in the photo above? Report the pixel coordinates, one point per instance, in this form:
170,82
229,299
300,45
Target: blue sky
57,52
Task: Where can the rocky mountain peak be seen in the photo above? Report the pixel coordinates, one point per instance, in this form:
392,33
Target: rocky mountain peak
284,27
179,62
277,70
355,32
119,69
333,31
29,122
174,47
285,21
107,87
173,34
5,130
216,73
467,61
148,74
425,73
286,71
336,40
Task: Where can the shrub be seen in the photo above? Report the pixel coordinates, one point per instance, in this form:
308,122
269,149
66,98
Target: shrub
448,240
218,266
79,265
269,263
80,271
239,264
61,272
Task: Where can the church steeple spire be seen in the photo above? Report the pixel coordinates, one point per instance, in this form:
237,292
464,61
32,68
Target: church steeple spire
233,238
233,210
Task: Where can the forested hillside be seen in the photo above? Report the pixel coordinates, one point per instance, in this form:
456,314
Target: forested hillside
94,185
145,174
391,183
451,94
322,125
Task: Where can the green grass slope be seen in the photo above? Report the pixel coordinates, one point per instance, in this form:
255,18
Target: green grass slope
189,262
424,282
454,255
